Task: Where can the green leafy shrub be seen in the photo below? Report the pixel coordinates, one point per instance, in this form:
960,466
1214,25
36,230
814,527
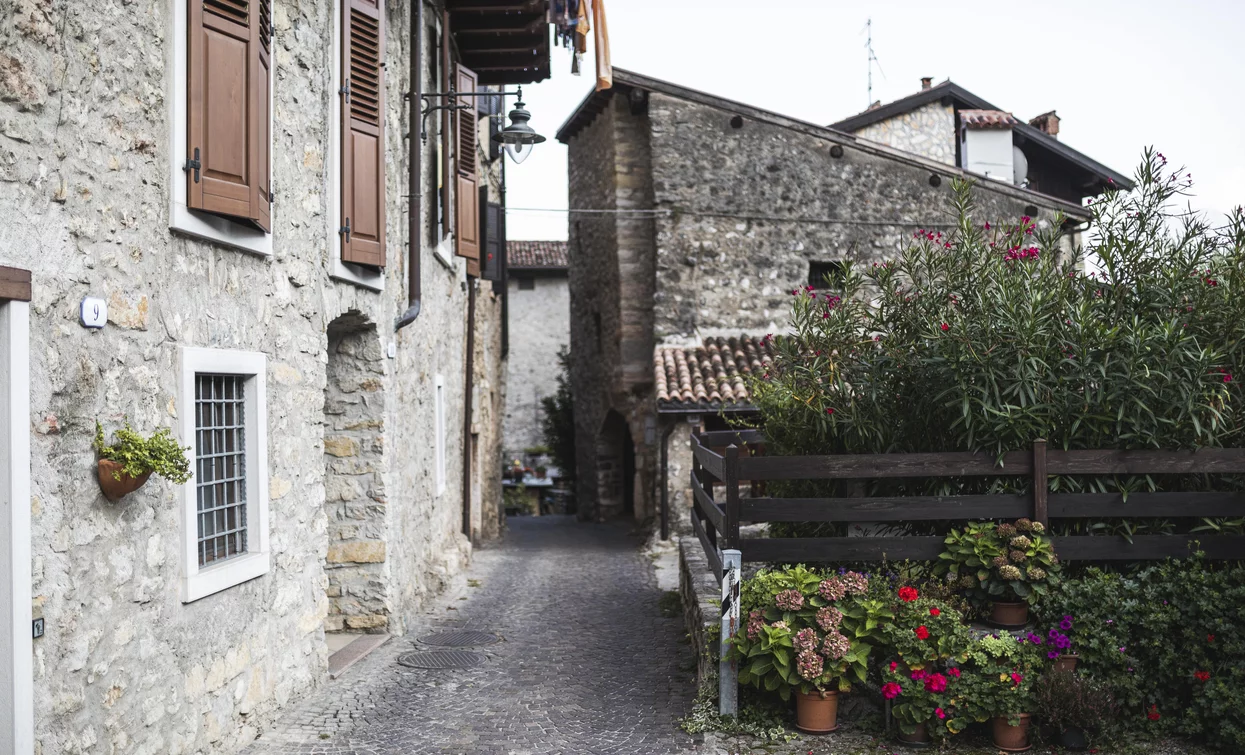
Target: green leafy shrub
558,423
1167,640
1004,562
996,679
159,453
1065,700
925,633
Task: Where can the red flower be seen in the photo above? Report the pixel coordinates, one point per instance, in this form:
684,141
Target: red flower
1016,679
830,410
1202,676
954,672
891,690
935,612
1210,638
908,594
945,327
939,712
922,633
935,683
894,665
1153,715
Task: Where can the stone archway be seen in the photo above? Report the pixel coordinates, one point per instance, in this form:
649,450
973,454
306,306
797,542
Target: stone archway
615,468
359,586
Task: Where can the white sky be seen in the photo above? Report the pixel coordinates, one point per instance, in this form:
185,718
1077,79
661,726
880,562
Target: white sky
1122,75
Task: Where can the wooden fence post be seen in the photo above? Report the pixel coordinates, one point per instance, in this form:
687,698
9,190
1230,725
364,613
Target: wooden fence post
728,669
1040,482
731,473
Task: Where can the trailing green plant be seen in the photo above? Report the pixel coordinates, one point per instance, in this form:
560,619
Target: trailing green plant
158,454
558,422
996,333
806,630
758,716
1002,562
1166,638
1067,700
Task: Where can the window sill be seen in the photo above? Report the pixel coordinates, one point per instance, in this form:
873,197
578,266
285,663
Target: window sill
222,576
211,228
363,277
444,252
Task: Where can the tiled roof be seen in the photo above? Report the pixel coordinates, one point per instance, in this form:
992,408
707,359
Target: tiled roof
987,119
536,254
709,376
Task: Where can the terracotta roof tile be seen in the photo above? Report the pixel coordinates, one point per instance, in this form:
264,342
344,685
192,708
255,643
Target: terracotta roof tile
987,119
550,254
709,376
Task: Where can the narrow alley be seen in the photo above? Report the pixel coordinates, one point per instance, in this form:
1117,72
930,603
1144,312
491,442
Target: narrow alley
586,663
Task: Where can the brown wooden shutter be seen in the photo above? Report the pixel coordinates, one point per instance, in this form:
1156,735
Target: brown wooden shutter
467,200
227,108
363,133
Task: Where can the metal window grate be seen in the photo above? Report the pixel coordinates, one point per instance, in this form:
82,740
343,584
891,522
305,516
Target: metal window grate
220,428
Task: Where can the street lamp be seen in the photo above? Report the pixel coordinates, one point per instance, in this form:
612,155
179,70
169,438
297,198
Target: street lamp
518,138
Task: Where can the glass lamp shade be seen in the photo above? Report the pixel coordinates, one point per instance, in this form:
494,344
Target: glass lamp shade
519,151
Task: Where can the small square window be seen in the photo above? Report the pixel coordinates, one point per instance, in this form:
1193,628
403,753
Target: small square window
527,284
826,275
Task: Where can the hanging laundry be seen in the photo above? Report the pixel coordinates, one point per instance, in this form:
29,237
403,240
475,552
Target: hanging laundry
605,71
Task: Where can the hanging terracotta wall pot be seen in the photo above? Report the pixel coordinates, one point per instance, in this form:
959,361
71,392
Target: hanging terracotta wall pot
817,713
113,488
1009,615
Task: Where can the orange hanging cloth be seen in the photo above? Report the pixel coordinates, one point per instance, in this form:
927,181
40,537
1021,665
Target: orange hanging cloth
601,40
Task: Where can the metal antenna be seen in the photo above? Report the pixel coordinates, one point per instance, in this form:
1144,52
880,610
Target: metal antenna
872,59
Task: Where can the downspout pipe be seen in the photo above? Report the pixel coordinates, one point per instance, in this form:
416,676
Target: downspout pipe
665,478
415,167
468,408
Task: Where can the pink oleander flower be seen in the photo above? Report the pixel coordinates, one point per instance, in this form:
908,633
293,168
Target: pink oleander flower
789,600
835,646
829,618
809,665
832,589
804,640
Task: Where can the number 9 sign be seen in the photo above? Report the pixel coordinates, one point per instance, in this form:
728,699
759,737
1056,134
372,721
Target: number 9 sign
94,312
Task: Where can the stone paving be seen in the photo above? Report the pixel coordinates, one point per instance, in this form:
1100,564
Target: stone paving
587,663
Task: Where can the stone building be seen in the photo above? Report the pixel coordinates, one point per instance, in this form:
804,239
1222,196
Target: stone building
220,218
539,313
705,214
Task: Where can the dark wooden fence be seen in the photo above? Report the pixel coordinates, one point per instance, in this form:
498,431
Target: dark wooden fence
719,507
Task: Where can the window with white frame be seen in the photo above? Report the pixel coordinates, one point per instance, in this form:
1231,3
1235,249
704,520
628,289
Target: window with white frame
225,503
439,408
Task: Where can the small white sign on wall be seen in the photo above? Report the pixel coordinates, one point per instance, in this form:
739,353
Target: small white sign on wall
94,313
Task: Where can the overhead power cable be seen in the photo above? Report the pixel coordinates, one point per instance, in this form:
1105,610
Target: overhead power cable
659,212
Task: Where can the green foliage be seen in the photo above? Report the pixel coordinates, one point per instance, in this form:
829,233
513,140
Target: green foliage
758,717
995,335
1151,634
159,453
1005,562
516,497
997,676
922,697
558,422
946,635
1067,700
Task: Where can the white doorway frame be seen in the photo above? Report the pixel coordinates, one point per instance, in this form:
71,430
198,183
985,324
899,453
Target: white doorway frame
17,721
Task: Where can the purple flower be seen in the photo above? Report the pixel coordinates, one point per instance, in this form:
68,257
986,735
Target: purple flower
1053,654
1066,624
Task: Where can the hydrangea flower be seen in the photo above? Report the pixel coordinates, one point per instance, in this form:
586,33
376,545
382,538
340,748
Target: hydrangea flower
804,640
809,665
755,622
832,589
1034,572
789,600
855,582
1009,572
999,561
829,618
1017,557
1020,541
1006,530
835,646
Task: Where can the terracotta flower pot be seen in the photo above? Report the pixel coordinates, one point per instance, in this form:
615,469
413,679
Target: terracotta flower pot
1074,738
1066,662
1009,615
1011,738
113,488
918,738
817,713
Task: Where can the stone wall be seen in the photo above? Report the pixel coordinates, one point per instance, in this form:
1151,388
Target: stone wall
539,327
735,274
125,666
928,131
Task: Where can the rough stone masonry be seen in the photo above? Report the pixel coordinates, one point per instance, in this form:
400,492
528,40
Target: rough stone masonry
360,536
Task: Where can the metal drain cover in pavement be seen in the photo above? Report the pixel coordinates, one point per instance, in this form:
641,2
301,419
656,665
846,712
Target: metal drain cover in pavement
442,659
459,638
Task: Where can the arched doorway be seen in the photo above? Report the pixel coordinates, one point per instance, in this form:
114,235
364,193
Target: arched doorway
615,468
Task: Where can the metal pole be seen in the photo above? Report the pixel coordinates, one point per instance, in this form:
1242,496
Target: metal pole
728,669
665,481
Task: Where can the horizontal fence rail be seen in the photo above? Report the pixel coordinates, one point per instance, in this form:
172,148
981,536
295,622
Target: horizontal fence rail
725,460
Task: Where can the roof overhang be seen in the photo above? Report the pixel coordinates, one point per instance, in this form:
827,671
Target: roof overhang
503,41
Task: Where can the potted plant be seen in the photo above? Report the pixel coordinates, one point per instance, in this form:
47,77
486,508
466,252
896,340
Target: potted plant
125,465
1058,645
923,701
1006,565
996,682
809,633
1074,706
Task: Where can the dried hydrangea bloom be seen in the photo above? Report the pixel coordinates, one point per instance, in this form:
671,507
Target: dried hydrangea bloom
1020,541
835,646
789,600
968,581
999,561
1024,524
855,582
832,589
1036,572
1038,528
804,640
755,622
1009,572
1006,530
1017,557
829,618
809,665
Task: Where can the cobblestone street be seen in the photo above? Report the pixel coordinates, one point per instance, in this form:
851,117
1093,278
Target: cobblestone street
586,663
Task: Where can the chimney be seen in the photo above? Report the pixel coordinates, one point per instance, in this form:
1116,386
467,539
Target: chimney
925,82
1047,123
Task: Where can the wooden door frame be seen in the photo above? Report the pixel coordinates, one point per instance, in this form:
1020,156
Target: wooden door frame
16,645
